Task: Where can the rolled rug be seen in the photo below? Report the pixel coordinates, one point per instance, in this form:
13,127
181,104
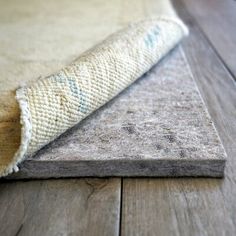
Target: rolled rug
54,104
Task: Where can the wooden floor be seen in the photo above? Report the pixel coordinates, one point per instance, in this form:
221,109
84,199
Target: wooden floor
131,206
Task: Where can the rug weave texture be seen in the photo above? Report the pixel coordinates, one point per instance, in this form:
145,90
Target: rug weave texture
56,103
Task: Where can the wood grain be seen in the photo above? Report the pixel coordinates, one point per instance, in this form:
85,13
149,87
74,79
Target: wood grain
191,206
175,207
60,207
150,206
217,19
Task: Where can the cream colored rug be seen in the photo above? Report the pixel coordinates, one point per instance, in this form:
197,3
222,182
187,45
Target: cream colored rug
39,100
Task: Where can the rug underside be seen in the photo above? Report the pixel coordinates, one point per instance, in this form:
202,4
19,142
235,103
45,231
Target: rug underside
51,105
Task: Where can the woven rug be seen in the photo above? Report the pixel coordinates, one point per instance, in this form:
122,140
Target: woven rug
44,108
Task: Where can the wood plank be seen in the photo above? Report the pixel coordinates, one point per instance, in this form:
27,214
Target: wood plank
179,207
191,206
60,207
157,127
217,19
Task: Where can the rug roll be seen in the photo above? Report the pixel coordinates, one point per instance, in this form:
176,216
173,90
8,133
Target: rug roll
56,103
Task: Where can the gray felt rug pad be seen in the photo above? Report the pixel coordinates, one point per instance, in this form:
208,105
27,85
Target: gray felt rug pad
157,127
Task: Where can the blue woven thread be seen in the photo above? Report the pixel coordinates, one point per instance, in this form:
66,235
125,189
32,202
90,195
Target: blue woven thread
151,37
75,90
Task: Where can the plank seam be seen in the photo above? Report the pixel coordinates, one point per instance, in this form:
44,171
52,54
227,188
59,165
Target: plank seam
121,206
